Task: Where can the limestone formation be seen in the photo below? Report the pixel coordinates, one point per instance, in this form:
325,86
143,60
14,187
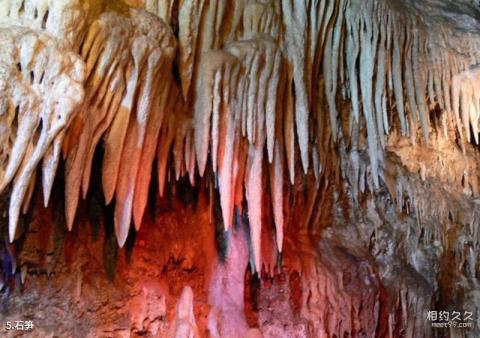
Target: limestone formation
337,138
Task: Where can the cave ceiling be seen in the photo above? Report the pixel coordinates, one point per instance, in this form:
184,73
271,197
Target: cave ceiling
463,15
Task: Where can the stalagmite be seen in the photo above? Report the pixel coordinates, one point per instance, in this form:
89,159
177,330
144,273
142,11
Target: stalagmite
185,325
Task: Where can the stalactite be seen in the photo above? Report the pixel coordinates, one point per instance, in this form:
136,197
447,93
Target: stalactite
204,106
330,62
249,83
397,76
420,87
116,107
49,167
254,192
352,50
368,41
271,104
41,100
189,22
380,82
289,133
161,107
225,162
118,132
276,186
295,17
165,140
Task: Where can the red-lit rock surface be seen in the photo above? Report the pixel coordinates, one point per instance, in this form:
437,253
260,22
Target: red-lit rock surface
79,284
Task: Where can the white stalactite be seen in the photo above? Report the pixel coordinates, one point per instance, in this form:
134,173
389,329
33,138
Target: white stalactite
249,74
368,41
295,17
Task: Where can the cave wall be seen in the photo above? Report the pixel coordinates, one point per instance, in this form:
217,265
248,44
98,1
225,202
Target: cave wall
239,168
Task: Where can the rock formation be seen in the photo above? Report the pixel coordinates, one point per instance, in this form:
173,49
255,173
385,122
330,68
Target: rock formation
311,167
